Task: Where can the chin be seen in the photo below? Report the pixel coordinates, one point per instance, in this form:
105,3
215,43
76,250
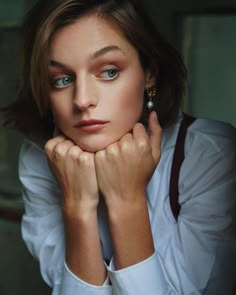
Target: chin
93,145
93,148
98,141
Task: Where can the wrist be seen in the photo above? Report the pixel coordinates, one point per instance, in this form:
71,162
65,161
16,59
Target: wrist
80,212
123,211
74,205
83,247
131,234
126,204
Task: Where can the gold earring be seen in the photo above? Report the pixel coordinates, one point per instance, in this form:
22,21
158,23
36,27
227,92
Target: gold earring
151,92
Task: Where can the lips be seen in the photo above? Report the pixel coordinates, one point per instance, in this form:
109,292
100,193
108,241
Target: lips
90,125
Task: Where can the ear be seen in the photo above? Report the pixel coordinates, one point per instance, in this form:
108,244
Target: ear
150,79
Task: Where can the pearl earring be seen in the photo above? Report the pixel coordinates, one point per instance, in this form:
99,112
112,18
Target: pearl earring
151,92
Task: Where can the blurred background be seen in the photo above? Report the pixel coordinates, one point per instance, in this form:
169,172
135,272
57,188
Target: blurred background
203,31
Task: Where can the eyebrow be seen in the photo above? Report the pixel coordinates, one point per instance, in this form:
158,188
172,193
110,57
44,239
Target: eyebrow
105,50
95,55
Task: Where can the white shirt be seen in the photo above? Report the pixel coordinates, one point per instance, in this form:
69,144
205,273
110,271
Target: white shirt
196,255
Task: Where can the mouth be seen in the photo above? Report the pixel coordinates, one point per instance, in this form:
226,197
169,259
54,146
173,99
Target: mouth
90,125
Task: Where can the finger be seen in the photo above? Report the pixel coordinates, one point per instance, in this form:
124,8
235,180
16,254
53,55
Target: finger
127,137
139,132
155,135
74,152
62,148
141,139
51,145
126,142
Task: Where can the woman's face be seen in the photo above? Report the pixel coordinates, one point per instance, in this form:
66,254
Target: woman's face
97,83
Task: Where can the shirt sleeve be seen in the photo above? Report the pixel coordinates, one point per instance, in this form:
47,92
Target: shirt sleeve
198,253
42,225
146,277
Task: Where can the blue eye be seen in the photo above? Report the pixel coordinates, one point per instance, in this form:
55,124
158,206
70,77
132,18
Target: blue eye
62,82
109,74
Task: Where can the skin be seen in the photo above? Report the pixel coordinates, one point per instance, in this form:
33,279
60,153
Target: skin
95,93
96,73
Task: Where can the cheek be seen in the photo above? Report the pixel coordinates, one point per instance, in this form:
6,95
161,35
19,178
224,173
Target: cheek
128,110
132,102
57,113
60,108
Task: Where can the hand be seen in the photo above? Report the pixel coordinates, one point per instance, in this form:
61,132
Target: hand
125,167
75,173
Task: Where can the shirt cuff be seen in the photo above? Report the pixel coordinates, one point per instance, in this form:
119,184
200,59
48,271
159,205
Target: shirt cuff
71,284
145,277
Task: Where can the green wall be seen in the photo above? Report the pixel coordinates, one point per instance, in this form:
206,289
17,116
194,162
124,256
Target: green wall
210,47
11,12
209,52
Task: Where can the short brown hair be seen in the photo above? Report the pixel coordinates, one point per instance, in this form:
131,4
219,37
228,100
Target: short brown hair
30,113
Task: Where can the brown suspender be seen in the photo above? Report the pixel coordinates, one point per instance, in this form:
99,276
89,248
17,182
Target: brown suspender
176,164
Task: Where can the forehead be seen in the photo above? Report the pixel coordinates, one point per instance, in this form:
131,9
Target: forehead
88,35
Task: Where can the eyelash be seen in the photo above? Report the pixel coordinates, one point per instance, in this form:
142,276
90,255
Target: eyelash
55,82
110,70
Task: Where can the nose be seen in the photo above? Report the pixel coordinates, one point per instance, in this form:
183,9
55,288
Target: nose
84,95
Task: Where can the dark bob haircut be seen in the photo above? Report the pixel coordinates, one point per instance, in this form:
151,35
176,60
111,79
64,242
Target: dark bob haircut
30,113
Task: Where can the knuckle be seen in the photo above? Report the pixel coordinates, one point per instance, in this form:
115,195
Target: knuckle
74,152
113,150
48,148
85,158
60,150
125,146
142,144
49,145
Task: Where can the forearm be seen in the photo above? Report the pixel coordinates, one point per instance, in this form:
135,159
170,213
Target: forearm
131,232
83,248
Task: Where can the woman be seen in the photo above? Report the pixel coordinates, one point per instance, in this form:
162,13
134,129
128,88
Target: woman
97,83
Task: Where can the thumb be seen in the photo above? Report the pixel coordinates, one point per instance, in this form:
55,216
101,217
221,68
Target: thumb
155,135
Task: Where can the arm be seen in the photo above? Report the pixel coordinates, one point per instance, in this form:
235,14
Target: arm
124,170
131,232
43,230
196,254
75,172
83,248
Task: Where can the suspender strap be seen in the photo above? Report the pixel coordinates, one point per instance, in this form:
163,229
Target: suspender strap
176,164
